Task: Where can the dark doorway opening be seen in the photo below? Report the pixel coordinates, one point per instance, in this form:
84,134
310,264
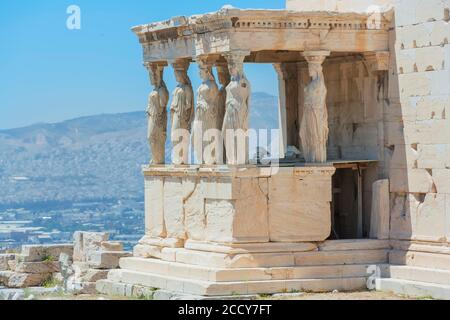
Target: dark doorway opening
352,199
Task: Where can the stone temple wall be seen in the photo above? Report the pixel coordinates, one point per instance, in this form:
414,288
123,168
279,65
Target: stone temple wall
402,121
418,122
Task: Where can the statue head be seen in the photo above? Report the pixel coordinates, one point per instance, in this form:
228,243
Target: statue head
236,69
223,75
155,74
180,76
315,70
235,61
180,71
315,60
205,71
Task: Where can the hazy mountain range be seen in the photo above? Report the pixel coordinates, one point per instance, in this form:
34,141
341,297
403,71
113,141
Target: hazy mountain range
87,159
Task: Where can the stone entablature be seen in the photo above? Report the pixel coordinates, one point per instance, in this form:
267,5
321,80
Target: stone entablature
259,30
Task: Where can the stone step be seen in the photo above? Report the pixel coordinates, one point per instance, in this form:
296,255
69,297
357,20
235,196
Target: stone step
165,268
421,274
420,259
360,244
414,288
341,257
207,288
244,248
260,260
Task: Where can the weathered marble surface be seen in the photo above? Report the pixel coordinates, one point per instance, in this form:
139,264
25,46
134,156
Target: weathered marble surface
380,214
249,205
418,126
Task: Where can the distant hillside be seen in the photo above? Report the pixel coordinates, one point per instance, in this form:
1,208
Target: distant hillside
89,158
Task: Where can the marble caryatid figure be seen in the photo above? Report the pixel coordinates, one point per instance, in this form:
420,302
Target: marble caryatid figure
223,75
157,113
314,126
182,113
207,125
235,123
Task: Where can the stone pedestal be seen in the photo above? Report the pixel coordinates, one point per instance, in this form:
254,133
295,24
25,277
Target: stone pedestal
238,204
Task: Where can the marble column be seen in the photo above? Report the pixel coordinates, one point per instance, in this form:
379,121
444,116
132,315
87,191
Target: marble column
236,119
182,113
157,113
314,126
282,118
207,126
224,79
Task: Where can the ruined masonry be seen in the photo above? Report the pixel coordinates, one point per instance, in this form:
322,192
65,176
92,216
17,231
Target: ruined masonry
93,257
75,268
364,91
34,266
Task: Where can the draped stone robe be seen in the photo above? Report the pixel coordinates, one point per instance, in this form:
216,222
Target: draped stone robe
206,118
237,117
182,112
314,126
157,123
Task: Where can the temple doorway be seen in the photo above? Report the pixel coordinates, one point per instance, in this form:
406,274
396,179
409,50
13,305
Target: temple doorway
352,199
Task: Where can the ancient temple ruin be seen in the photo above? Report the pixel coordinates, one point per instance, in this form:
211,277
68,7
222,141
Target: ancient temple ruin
363,94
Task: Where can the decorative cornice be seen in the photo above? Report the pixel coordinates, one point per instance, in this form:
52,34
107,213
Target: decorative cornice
256,20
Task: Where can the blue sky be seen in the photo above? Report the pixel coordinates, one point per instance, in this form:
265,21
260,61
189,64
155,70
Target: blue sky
49,73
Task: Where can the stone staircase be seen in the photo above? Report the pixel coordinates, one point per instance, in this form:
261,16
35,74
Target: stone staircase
417,274
342,266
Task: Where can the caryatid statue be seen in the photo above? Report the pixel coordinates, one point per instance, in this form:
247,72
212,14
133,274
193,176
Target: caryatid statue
224,78
207,126
236,119
314,126
182,113
157,113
